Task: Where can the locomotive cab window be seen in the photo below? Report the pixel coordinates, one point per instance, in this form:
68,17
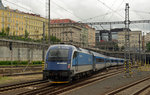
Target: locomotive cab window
58,55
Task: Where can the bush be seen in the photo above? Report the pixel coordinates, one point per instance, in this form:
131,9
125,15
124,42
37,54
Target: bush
19,62
37,62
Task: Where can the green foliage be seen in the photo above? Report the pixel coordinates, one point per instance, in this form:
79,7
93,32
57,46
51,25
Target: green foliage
26,34
116,47
19,62
122,48
54,39
148,46
14,33
3,33
7,31
37,62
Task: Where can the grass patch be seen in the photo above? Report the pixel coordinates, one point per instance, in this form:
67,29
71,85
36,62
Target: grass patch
4,79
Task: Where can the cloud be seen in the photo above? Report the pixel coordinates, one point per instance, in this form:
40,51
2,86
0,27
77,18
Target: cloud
86,10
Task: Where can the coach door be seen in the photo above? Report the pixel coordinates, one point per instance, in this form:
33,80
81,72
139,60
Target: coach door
75,57
93,62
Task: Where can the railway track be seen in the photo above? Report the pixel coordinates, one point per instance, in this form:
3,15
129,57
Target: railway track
142,90
132,86
21,74
54,89
20,85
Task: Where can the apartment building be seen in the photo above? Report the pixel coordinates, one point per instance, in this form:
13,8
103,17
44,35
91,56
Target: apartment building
135,36
70,31
91,36
18,22
64,29
147,38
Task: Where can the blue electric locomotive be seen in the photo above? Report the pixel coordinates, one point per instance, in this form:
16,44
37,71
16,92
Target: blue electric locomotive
64,62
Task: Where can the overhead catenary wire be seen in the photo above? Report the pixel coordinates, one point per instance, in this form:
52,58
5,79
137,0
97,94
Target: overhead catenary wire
116,9
101,15
67,11
110,8
145,12
19,6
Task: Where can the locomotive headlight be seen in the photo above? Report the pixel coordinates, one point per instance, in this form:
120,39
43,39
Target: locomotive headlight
69,66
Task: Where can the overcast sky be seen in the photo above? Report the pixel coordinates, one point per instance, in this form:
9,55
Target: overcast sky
86,10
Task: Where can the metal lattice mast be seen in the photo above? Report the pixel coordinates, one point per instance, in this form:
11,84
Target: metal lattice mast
49,20
127,38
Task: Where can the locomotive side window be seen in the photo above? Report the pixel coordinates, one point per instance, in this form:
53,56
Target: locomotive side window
112,60
99,60
75,55
107,61
116,61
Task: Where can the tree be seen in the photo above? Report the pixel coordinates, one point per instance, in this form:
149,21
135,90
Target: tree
54,39
7,31
148,46
26,34
14,33
122,48
3,31
116,47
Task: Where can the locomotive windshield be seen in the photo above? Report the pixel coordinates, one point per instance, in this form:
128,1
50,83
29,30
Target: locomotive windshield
58,55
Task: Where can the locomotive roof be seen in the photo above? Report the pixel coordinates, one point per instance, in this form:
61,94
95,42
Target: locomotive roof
85,51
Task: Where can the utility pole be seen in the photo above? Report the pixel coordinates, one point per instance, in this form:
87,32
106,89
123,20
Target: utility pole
11,54
49,21
144,47
139,49
127,41
43,51
43,55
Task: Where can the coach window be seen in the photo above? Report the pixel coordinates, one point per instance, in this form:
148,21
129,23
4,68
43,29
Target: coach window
99,60
75,55
107,60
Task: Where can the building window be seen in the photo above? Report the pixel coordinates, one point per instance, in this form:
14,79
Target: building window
2,25
8,14
2,19
2,13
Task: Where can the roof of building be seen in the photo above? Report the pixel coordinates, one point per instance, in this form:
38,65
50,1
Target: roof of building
58,21
1,5
18,11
